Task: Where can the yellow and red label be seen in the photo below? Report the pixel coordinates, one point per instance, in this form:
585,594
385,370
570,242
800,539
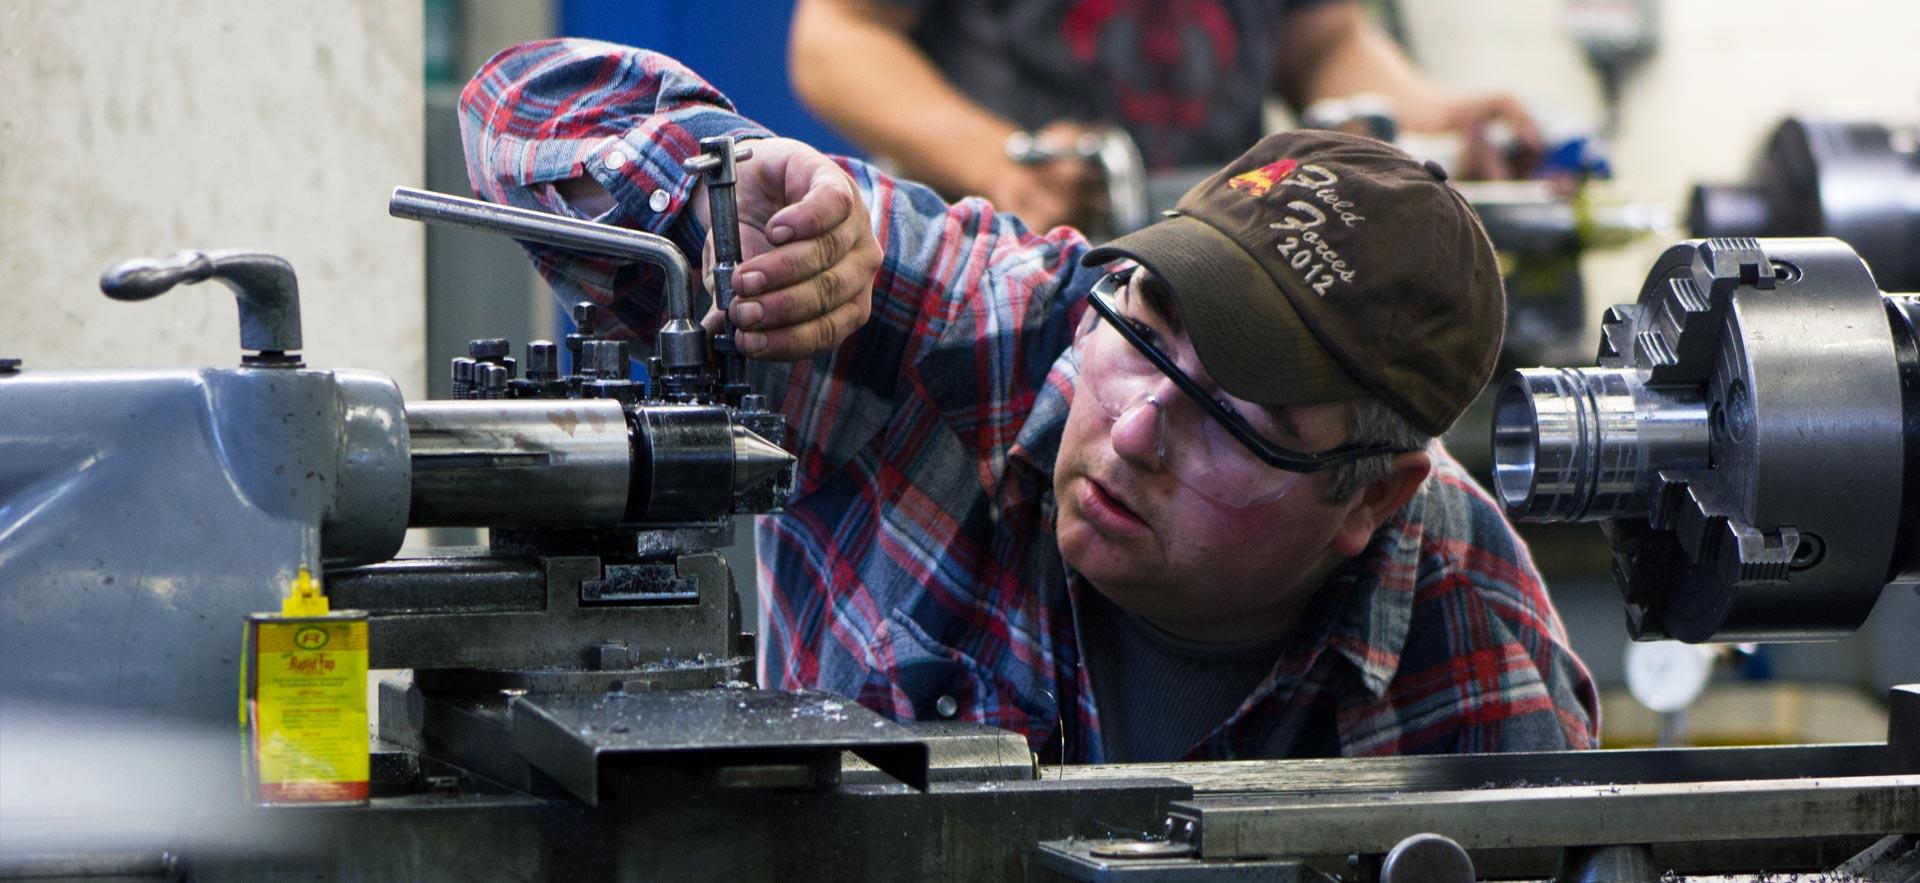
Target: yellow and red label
306,708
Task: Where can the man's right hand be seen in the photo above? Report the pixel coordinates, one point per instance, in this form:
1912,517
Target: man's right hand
809,256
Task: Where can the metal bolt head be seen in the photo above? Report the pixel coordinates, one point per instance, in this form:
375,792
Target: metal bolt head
611,360
543,360
487,348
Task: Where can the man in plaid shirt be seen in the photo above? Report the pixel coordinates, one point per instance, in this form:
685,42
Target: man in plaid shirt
1175,497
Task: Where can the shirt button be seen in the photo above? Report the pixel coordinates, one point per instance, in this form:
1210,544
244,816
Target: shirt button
946,706
615,159
659,200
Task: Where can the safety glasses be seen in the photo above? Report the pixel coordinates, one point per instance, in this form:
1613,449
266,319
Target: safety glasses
1213,443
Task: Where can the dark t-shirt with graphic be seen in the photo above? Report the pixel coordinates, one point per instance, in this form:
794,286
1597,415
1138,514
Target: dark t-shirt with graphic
1184,77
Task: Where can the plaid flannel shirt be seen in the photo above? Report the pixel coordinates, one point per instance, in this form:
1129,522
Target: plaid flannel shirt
915,568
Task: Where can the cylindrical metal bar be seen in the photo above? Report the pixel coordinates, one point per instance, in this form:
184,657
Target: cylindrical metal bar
581,236
519,463
683,463
1583,444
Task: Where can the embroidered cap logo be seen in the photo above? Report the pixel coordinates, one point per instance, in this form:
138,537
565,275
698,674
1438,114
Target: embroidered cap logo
1302,244
1261,180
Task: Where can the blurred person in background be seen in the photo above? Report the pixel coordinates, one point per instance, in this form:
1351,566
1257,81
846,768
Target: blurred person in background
938,87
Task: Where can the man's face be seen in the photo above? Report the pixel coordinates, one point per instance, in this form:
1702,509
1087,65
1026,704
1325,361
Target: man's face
1164,548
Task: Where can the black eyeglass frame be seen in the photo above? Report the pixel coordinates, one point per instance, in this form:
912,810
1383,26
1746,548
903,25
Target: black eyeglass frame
1236,426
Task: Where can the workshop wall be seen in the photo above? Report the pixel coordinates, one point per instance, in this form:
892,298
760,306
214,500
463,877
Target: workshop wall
136,129
1723,73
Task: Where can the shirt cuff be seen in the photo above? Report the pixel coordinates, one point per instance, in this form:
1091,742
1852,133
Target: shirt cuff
641,170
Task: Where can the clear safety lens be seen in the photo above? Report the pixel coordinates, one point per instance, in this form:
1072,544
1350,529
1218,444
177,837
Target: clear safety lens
1191,445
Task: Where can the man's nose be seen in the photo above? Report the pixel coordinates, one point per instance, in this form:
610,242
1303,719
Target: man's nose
1139,434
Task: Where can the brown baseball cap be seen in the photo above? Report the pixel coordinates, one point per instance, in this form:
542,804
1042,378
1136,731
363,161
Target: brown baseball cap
1324,267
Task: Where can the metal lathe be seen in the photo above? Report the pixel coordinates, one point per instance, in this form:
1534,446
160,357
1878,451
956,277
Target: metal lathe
576,702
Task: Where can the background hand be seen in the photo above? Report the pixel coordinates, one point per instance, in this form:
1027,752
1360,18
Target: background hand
1065,190
1498,138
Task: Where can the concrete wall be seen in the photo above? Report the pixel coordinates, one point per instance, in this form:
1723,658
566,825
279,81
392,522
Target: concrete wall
136,128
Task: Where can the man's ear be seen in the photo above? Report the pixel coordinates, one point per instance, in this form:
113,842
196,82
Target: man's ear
1378,501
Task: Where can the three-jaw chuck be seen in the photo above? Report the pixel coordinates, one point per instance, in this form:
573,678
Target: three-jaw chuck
1749,442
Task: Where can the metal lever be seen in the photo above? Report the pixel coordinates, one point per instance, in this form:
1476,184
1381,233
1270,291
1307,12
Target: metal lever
681,342
264,285
716,164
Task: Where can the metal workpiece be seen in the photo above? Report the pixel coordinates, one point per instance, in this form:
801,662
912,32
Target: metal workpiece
681,342
264,285
1576,444
685,468
1855,181
512,463
694,462
1741,438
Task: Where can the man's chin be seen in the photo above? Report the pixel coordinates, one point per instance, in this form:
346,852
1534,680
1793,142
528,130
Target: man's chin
1092,554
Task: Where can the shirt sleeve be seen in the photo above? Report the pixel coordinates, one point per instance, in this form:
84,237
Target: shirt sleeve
967,316
554,110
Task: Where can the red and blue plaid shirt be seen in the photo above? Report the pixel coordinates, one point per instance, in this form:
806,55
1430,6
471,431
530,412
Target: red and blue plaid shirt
915,569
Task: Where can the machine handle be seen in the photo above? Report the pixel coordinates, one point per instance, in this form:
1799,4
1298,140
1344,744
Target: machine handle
680,341
264,285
